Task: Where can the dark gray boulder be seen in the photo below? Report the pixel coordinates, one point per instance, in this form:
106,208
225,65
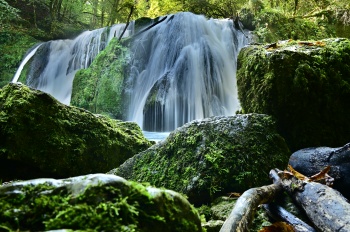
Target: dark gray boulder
310,161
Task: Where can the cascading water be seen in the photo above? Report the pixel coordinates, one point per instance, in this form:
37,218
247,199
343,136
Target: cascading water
56,62
183,69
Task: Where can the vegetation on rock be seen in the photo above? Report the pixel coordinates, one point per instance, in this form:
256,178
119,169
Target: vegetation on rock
211,157
94,202
99,87
305,86
60,140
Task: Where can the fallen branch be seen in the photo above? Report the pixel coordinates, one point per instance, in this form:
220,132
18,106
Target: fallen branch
127,24
326,208
242,214
149,27
280,214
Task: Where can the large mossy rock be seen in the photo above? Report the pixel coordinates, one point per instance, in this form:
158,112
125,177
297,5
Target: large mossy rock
305,86
206,158
95,202
41,137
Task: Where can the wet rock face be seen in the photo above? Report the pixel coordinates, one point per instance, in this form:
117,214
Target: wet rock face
95,202
310,161
305,86
40,137
206,158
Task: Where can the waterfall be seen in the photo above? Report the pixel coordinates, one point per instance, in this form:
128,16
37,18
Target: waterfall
183,69
55,63
24,62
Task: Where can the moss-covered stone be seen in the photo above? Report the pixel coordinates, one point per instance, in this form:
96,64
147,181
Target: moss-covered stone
96,202
99,87
61,141
213,156
305,86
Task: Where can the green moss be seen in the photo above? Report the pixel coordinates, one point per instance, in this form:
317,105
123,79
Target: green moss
217,156
305,88
121,206
99,87
61,140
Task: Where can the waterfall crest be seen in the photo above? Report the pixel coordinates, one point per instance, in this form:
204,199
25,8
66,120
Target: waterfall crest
55,63
183,69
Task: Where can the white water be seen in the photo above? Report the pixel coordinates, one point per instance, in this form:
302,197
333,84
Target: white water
180,70
186,68
24,61
53,69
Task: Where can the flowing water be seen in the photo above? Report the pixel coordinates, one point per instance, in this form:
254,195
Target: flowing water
56,62
182,69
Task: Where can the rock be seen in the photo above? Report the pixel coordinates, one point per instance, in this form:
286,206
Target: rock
310,161
207,158
96,202
40,137
305,86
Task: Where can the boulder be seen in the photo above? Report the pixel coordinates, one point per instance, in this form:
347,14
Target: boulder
40,137
305,86
210,157
96,202
310,161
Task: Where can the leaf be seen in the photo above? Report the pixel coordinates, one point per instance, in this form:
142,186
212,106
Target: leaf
297,174
323,176
278,227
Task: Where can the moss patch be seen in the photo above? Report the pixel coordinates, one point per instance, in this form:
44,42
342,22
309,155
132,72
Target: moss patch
305,86
99,87
94,202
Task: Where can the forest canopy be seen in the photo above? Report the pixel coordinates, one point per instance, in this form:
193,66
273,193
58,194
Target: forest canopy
53,16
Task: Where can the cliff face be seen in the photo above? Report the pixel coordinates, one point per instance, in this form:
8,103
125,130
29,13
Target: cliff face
305,86
40,137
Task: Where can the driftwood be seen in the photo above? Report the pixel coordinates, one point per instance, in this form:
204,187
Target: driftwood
326,208
243,212
149,27
280,214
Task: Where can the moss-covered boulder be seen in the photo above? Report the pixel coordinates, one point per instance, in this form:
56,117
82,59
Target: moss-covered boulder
305,86
99,87
95,202
40,137
206,158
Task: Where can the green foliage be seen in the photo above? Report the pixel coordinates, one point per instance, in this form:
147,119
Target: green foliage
7,13
99,88
13,45
304,87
